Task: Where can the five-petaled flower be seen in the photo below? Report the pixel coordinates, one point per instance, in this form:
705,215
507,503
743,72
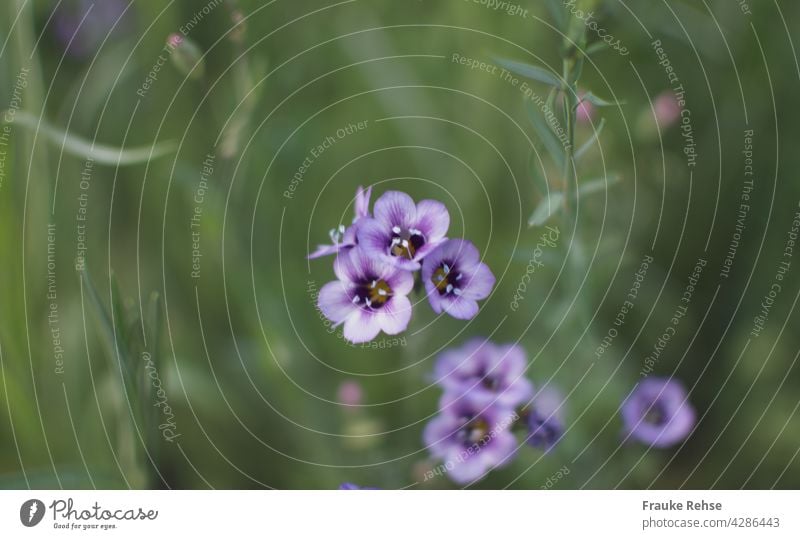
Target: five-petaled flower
657,412
401,232
472,435
455,279
369,297
491,370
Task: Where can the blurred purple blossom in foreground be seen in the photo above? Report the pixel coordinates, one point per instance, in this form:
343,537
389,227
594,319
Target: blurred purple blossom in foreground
658,413
86,37
487,369
545,419
471,435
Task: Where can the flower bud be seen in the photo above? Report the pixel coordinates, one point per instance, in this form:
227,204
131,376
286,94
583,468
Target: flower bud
186,56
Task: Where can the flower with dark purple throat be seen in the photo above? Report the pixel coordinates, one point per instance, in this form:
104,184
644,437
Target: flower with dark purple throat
369,297
479,366
545,419
455,279
472,435
402,232
343,238
658,413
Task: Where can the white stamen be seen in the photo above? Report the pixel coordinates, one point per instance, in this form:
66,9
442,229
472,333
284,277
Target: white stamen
381,292
457,291
446,268
396,229
341,229
449,288
395,241
356,299
404,243
374,283
458,277
369,302
415,231
439,277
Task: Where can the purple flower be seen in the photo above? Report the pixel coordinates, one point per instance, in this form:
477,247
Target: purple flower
658,413
545,419
344,238
402,232
353,486
471,435
496,372
455,279
369,296
100,18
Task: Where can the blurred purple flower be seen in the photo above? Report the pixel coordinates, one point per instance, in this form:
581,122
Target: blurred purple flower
353,486
455,279
87,37
344,238
491,370
658,413
369,296
471,435
402,232
545,419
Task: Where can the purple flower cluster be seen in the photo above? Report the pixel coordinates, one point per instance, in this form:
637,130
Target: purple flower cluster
486,396
377,255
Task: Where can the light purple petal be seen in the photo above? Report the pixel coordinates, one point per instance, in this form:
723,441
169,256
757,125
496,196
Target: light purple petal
334,302
395,208
433,220
462,252
361,326
459,307
373,237
362,201
438,432
345,268
395,315
401,282
325,250
467,470
479,283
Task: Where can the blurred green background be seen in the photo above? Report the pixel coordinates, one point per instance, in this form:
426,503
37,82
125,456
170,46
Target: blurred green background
249,369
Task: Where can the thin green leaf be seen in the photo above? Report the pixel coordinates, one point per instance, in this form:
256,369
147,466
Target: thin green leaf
600,102
597,185
589,143
595,47
80,147
548,138
547,207
557,11
530,71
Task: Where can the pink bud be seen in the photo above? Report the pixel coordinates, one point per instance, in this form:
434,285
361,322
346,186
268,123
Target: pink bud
174,40
667,108
350,393
584,112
